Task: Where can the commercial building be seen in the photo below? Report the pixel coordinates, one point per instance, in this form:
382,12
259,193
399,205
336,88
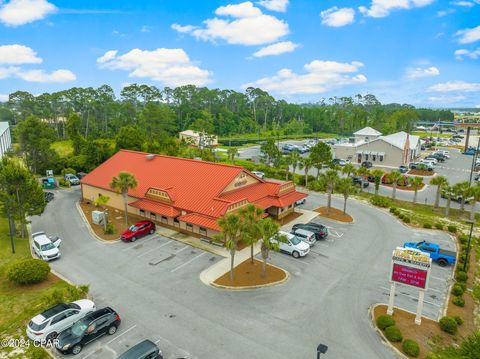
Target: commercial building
5,138
199,139
368,144
189,195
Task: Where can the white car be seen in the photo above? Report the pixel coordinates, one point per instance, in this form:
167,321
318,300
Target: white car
51,322
46,247
293,245
343,162
259,174
300,202
428,162
306,236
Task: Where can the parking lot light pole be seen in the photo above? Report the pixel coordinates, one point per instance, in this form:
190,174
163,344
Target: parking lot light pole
468,245
321,349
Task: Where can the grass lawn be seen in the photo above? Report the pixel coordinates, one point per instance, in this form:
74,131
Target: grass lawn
433,134
18,304
63,148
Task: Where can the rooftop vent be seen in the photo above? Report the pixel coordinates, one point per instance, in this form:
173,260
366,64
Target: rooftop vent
150,156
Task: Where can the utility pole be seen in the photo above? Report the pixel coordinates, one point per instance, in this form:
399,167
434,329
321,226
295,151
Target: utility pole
471,223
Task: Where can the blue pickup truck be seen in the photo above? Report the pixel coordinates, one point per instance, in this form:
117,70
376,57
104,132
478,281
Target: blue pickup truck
441,256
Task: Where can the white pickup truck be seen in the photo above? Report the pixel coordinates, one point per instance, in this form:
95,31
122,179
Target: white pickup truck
46,247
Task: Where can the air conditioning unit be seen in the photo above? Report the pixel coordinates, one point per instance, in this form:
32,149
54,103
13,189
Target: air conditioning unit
98,217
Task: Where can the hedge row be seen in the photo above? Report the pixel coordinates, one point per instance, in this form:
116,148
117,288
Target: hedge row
387,324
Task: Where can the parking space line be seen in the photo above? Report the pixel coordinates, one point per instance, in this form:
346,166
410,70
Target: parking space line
151,250
412,297
438,278
435,290
182,249
187,262
140,243
118,336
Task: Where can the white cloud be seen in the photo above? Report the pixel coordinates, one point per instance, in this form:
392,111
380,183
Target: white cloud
473,54
468,36
275,5
446,99
37,75
276,49
419,72
3,98
455,86
382,8
145,28
17,55
244,24
319,77
172,67
463,3
338,17
21,12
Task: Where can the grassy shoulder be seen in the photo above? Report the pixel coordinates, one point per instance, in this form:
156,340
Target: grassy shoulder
19,303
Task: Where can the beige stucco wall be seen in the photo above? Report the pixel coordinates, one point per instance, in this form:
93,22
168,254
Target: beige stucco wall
393,155
248,179
116,199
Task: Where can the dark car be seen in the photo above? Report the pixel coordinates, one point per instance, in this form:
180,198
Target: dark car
367,164
80,175
138,230
371,178
403,169
143,350
359,180
91,327
48,196
319,230
336,161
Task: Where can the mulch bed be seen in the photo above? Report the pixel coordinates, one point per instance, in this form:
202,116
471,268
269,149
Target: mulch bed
416,172
335,214
248,274
405,188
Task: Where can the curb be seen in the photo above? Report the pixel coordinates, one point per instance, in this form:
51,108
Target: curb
206,249
253,287
90,230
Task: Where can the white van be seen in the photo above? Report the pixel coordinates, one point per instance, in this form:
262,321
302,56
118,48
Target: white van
293,245
45,247
306,236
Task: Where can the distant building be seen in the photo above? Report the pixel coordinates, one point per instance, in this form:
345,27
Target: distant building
390,151
199,139
5,138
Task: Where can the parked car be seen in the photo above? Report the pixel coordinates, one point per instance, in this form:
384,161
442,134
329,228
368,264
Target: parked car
138,230
300,202
49,323
360,181
437,156
305,235
343,162
320,231
80,175
455,197
430,159
293,245
48,196
259,174
72,179
477,176
91,327
367,164
46,247
441,256
420,166
403,169
143,350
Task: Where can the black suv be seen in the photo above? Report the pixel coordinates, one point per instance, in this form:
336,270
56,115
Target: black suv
87,329
359,180
366,164
143,350
319,230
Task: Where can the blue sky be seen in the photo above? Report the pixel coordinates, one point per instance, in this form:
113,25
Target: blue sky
423,52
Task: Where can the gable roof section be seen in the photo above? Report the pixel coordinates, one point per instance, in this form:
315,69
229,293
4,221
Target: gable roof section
368,131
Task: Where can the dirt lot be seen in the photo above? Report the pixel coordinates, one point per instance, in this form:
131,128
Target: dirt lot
248,274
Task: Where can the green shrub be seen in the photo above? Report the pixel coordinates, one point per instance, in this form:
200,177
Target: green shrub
461,276
411,348
393,334
406,219
381,201
462,285
458,301
427,225
55,297
448,325
110,229
401,216
452,229
458,319
439,225
28,271
476,291
68,170
463,239
457,290
385,321
393,210
63,183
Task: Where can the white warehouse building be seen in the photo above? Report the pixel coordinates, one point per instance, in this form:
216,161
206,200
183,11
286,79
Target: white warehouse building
392,150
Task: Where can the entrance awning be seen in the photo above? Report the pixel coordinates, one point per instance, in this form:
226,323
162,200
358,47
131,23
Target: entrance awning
200,220
155,207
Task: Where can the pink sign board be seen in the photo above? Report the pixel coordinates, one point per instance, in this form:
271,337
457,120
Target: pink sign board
408,275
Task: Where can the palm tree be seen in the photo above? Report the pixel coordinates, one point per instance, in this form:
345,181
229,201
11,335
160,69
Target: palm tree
294,159
395,176
232,152
440,182
364,172
268,230
231,225
306,164
416,182
122,183
345,186
329,179
448,191
461,190
250,215
474,195
348,169
377,176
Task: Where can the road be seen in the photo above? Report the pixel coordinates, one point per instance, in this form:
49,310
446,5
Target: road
155,287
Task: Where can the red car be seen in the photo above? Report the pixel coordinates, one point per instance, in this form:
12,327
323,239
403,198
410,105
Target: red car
138,230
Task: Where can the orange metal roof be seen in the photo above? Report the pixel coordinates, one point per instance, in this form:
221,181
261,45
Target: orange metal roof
201,221
155,207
